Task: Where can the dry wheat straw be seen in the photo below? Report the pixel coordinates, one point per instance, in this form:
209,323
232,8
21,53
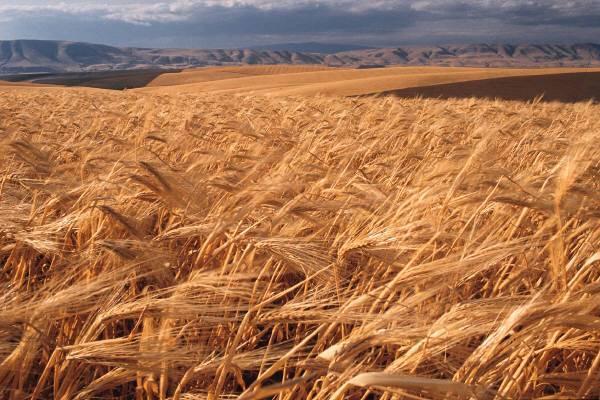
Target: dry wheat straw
205,247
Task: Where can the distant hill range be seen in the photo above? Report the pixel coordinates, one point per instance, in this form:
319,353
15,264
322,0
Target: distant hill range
40,56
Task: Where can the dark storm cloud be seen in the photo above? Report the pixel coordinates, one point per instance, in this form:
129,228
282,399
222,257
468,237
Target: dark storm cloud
238,19
210,23
251,20
577,13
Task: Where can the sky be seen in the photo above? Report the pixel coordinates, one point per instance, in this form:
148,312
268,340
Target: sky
246,23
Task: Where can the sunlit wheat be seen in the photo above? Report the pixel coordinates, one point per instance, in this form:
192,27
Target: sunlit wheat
211,247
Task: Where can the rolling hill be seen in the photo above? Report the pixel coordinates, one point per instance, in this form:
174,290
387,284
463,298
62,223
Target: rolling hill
36,56
553,84
562,84
476,55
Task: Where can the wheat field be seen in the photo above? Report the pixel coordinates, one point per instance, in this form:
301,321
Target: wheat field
163,246
311,80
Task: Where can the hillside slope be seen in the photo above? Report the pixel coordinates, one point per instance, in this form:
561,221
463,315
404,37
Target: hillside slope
311,80
478,55
29,56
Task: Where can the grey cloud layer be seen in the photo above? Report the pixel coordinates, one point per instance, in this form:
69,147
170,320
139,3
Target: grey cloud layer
236,20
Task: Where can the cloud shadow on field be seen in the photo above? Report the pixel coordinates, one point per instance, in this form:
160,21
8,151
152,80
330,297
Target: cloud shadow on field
113,80
566,88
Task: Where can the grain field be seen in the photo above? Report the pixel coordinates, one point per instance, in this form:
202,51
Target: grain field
206,246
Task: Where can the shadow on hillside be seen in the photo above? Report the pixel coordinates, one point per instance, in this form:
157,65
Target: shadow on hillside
115,80
566,88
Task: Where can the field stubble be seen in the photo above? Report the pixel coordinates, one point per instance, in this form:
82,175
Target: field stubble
194,247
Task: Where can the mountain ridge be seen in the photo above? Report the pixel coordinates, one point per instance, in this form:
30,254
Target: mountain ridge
45,56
